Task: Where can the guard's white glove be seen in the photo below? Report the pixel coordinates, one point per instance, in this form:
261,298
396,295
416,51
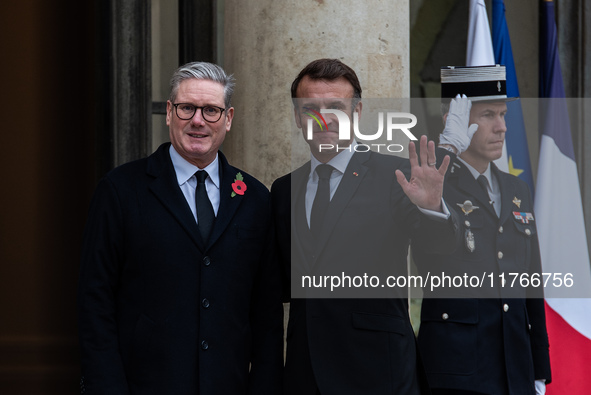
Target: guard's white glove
457,132
540,387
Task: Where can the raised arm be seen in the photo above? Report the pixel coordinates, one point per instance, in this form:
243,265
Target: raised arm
425,187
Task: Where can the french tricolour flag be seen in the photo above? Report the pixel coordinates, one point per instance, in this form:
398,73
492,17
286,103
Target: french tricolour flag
561,229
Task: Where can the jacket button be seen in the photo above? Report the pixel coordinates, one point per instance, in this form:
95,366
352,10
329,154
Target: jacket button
467,223
445,316
528,232
204,345
505,307
500,255
206,261
205,303
500,229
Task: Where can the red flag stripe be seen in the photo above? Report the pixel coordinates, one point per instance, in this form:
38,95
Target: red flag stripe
570,357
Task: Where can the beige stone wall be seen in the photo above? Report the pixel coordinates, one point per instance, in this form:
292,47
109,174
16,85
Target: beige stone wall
267,42
165,55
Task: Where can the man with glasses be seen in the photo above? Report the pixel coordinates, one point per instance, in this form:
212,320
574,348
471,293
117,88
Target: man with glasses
178,291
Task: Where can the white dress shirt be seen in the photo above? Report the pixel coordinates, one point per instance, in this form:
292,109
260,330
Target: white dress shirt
185,175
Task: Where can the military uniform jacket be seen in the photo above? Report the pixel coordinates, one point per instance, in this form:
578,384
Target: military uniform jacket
354,346
486,339
160,311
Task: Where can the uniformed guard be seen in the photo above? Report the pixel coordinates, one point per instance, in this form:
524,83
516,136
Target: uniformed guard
487,336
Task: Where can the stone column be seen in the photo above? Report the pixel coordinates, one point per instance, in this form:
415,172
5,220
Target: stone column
267,42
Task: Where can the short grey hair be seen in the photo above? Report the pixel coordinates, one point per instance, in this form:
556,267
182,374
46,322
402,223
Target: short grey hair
203,71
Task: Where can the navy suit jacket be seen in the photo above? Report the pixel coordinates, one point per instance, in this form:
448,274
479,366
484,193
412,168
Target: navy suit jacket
354,345
492,341
160,311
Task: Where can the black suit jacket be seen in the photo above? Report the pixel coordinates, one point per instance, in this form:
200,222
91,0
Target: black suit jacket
160,312
498,343
356,345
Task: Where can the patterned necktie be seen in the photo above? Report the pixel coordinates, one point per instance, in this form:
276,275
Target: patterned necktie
483,183
321,200
205,214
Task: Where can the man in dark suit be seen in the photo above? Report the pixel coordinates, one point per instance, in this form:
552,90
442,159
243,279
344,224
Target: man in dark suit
489,339
352,344
179,292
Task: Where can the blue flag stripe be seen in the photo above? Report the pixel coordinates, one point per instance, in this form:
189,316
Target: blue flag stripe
557,125
516,139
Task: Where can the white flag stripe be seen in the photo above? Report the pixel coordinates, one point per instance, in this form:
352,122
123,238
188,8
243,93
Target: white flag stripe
561,231
503,163
480,50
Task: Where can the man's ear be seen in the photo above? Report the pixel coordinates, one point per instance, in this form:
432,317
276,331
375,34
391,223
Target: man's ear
229,117
296,114
168,112
358,108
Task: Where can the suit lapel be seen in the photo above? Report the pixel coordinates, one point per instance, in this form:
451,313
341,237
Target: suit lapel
507,194
354,174
299,180
228,204
165,187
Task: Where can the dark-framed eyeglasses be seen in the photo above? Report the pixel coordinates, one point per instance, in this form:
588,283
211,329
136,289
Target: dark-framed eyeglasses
186,111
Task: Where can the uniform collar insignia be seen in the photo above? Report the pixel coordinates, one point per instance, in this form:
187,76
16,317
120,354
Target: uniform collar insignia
517,202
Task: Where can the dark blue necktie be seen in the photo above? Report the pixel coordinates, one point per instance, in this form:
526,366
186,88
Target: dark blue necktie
321,200
483,183
205,214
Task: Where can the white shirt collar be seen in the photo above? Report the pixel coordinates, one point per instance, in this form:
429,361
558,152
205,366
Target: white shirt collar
339,162
185,170
475,172
487,173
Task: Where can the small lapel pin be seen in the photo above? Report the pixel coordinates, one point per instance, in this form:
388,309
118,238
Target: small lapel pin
467,207
355,174
517,202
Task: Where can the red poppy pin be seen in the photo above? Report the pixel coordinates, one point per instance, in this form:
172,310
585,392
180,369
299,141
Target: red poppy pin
239,187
